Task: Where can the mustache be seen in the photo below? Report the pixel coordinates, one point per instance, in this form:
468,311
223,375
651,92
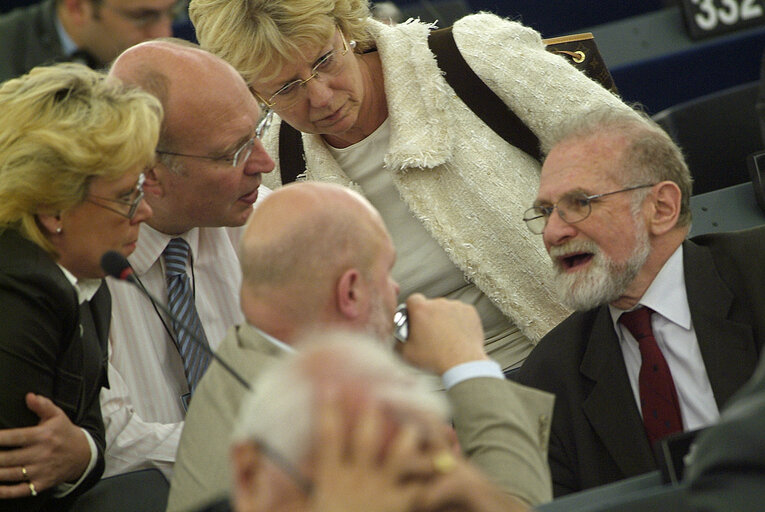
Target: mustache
572,247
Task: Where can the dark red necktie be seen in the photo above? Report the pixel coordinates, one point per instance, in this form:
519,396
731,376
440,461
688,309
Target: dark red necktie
658,397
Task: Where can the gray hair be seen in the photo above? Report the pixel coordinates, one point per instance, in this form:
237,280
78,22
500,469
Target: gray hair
650,156
280,411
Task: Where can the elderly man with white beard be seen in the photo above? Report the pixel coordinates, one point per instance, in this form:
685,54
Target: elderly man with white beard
665,329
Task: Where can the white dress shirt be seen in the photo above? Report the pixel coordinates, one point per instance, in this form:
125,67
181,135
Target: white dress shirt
143,413
677,341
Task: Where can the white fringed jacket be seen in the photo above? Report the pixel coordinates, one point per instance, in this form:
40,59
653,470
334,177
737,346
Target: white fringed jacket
465,184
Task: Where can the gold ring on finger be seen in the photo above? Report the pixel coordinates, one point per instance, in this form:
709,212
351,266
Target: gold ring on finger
24,474
32,490
444,462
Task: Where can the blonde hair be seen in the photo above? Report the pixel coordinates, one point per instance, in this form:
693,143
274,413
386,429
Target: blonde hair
63,126
258,37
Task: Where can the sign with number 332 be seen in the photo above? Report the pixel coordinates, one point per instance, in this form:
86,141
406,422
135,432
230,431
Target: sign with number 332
704,18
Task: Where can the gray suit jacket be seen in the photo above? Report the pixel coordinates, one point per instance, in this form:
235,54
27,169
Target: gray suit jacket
502,426
201,471
28,38
597,433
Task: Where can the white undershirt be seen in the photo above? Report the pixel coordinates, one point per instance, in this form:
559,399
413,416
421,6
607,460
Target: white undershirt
677,341
363,162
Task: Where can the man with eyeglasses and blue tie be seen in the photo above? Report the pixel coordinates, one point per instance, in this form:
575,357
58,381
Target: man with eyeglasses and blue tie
665,330
92,32
203,187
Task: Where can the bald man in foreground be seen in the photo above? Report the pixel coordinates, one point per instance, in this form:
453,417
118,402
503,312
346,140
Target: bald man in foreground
317,257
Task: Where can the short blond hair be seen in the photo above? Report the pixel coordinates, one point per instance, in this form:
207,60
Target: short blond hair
258,37
61,127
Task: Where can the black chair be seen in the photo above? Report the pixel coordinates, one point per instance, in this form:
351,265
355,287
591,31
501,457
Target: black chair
716,132
607,495
9,5
145,490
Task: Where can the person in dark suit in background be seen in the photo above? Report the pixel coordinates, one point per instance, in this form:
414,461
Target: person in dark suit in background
613,209
73,148
92,32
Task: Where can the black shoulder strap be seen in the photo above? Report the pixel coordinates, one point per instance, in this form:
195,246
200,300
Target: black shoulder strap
291,154
468,86
478,96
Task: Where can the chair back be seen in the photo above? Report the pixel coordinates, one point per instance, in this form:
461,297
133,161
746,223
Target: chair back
716,132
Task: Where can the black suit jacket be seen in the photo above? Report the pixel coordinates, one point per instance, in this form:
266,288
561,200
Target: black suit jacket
49,345
28,38
597,434
727,467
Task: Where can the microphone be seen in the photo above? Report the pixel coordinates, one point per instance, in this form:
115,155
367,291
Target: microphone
117,266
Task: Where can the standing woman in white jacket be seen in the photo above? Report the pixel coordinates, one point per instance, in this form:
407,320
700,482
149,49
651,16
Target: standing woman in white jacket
376,113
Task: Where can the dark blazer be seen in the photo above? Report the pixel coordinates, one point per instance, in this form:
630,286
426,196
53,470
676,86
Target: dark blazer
49,345
28,38
727,467
597,434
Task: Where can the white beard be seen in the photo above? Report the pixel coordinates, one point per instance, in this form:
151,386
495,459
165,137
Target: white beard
605,280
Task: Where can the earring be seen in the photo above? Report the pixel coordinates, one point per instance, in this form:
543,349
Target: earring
352,44
58,230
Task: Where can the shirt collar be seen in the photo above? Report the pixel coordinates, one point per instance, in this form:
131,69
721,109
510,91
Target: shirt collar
67,44
151,244
273,341
666,295
86,288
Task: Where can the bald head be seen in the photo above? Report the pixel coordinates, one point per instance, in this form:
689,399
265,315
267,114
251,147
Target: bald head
303,239
210,118
192,84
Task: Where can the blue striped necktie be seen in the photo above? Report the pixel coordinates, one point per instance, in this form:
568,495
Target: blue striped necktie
180,301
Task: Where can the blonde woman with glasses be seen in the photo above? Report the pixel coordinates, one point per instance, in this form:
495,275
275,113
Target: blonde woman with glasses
73,149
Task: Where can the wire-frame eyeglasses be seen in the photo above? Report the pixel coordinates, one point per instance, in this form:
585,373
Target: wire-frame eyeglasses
329,64
131,204
243,152
572,208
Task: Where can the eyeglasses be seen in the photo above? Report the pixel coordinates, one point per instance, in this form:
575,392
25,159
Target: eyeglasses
572,208
130,204
281,462
240,155
146,17
330,64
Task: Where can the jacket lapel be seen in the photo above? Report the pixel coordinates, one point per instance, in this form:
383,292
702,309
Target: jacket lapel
610,407
100,306
726,346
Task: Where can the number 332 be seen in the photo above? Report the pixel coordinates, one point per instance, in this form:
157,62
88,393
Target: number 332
730,12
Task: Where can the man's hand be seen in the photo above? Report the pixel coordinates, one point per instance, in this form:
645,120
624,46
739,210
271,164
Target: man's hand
442,334
53,452
374,467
